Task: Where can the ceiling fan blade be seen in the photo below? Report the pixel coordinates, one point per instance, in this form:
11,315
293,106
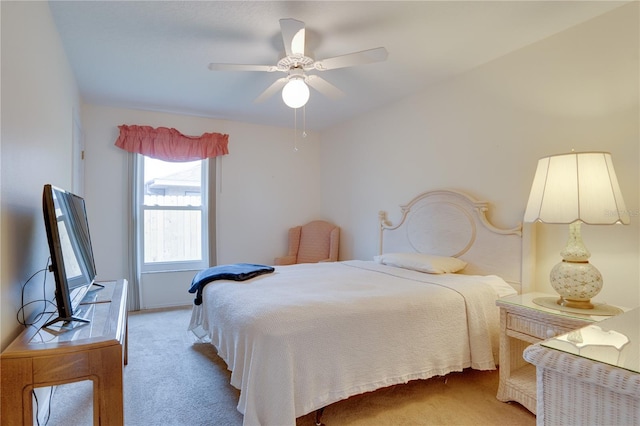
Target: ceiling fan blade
292,36
241,67
378,54
277,85
324,87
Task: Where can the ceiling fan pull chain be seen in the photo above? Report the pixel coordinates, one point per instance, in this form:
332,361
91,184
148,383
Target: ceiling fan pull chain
304,121
295,129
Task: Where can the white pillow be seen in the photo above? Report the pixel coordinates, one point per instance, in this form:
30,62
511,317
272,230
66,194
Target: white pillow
422,262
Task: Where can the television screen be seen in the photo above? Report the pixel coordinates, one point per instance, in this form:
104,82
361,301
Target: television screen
72,262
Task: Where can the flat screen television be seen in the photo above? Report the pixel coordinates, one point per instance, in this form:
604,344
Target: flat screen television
72,262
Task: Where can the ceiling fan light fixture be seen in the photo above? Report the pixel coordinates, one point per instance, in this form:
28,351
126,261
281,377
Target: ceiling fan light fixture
295,93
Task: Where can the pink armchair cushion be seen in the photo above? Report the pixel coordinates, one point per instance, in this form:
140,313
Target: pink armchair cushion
314,242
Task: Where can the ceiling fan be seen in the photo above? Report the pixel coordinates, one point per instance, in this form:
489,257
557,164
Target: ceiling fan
297,64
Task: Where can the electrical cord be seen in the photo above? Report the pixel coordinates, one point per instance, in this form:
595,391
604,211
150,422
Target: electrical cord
21,312
35,397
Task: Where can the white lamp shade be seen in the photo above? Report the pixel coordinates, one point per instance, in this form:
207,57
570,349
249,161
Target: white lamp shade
295,93
576,186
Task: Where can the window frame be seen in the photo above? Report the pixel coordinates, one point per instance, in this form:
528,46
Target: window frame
140,208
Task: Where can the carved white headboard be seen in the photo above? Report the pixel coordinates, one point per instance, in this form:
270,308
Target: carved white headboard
451,223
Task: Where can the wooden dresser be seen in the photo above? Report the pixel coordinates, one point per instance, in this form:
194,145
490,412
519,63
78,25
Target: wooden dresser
65,353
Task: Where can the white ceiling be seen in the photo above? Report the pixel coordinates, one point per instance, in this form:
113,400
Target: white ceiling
154,54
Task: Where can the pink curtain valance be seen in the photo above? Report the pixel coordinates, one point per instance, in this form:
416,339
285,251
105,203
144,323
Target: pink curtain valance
171,145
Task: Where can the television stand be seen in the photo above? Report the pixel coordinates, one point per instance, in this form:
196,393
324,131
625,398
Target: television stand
41,357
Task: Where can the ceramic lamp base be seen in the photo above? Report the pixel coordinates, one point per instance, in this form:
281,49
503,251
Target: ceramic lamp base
576,283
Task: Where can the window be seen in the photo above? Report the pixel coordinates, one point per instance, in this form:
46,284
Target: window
172,201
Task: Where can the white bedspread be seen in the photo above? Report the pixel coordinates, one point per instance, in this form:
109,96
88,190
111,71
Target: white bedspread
312,334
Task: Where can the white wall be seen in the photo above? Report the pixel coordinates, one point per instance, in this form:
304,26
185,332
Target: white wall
39,97
483,133
263,187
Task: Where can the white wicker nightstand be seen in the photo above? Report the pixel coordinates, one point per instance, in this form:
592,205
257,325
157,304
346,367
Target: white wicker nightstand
523,323
590,376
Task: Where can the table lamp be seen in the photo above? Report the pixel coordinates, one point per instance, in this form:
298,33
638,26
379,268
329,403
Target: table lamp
571,189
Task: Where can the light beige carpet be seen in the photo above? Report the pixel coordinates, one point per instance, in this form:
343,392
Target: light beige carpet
172,381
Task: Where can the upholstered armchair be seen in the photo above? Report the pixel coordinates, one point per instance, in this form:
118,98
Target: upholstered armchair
317,241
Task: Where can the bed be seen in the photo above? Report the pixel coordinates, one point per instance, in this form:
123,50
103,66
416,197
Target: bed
306,336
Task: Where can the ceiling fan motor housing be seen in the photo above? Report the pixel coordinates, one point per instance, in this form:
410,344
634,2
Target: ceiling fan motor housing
295,61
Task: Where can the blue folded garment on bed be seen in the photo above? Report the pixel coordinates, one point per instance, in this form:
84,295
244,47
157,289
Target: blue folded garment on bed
235,272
